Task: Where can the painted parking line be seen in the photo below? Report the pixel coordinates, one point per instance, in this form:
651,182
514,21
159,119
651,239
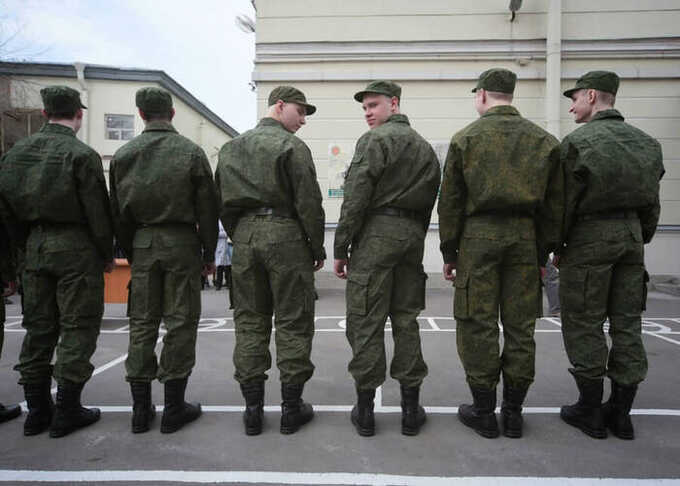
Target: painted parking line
319,478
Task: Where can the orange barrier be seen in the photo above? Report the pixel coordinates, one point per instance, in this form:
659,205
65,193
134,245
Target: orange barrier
116,282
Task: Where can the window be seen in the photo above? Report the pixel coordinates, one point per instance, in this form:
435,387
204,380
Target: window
120,127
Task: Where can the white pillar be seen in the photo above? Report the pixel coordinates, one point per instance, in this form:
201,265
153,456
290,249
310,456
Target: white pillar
84,97
553,67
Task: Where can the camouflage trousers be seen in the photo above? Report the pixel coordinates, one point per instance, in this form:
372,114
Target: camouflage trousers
272,273
2,324
603,275
386,279
497,269
165,284
63,305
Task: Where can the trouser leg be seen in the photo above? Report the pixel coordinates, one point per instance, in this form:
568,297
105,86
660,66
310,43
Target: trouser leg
42,328
252,316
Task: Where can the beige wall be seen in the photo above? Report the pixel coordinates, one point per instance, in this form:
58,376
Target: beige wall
118,98
436,48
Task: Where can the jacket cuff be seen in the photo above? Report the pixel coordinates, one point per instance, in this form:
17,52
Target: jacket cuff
319,254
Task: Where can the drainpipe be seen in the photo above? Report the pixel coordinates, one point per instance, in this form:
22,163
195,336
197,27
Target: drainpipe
553,67
85,129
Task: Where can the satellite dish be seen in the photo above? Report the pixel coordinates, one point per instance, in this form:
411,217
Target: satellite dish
245,23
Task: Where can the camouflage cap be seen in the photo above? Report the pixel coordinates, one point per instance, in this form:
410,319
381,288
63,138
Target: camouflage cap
606,81
383,87
60,99
153,100
498,80
289,94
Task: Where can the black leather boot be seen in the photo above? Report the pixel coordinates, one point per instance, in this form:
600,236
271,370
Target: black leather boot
294,411
362,413
254,413
9,412
143,411
616,411
69,414
40,407
511,411
412,414
586,413
481,415
177,413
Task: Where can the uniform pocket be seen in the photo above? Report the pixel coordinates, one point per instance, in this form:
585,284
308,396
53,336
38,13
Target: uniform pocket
357,293
460,297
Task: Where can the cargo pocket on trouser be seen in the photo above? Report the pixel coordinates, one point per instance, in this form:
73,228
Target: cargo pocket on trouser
461,308
357,293
645,288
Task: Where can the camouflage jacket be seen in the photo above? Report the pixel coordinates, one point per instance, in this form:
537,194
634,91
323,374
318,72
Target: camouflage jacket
610,165
502,164
270,167
161,178
393,166
52,177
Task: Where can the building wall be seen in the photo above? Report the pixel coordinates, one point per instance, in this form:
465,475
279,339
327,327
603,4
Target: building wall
106,97
436,49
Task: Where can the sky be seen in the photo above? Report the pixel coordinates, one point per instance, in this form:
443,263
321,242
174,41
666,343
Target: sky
195,42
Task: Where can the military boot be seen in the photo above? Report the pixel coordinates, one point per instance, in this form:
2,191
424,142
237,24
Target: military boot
143,411
69,414
586,413
177,412
412,414
294,411
511,411
254,413
481,415
616,411
40,407
362,413
9,412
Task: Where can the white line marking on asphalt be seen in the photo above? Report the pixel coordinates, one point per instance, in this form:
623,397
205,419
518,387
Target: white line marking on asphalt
321,478
553,320
433,324
382,409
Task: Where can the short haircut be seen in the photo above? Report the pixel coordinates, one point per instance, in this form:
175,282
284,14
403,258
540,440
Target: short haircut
65,114
156,116
498,96
606,98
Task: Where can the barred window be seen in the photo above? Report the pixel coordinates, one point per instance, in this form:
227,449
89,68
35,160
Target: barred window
120,127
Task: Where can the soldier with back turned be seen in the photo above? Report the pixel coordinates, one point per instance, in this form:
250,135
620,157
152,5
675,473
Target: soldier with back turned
165,213
500,214
390,190
54,201
612,174
270,205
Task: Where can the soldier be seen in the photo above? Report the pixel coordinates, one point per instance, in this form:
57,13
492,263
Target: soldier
390,189
612,174
6,277
500,214
271,207
165,214
56,207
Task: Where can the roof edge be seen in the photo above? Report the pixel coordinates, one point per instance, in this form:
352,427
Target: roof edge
94,71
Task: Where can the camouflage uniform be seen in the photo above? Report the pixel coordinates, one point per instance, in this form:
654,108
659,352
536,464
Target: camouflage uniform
271,208
7,274
500,212
612,185
52,186
390,191
165,213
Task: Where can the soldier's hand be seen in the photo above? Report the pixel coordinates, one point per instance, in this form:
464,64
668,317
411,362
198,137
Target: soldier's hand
340,268
109,266
10,290
318,265
450,271
208,269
